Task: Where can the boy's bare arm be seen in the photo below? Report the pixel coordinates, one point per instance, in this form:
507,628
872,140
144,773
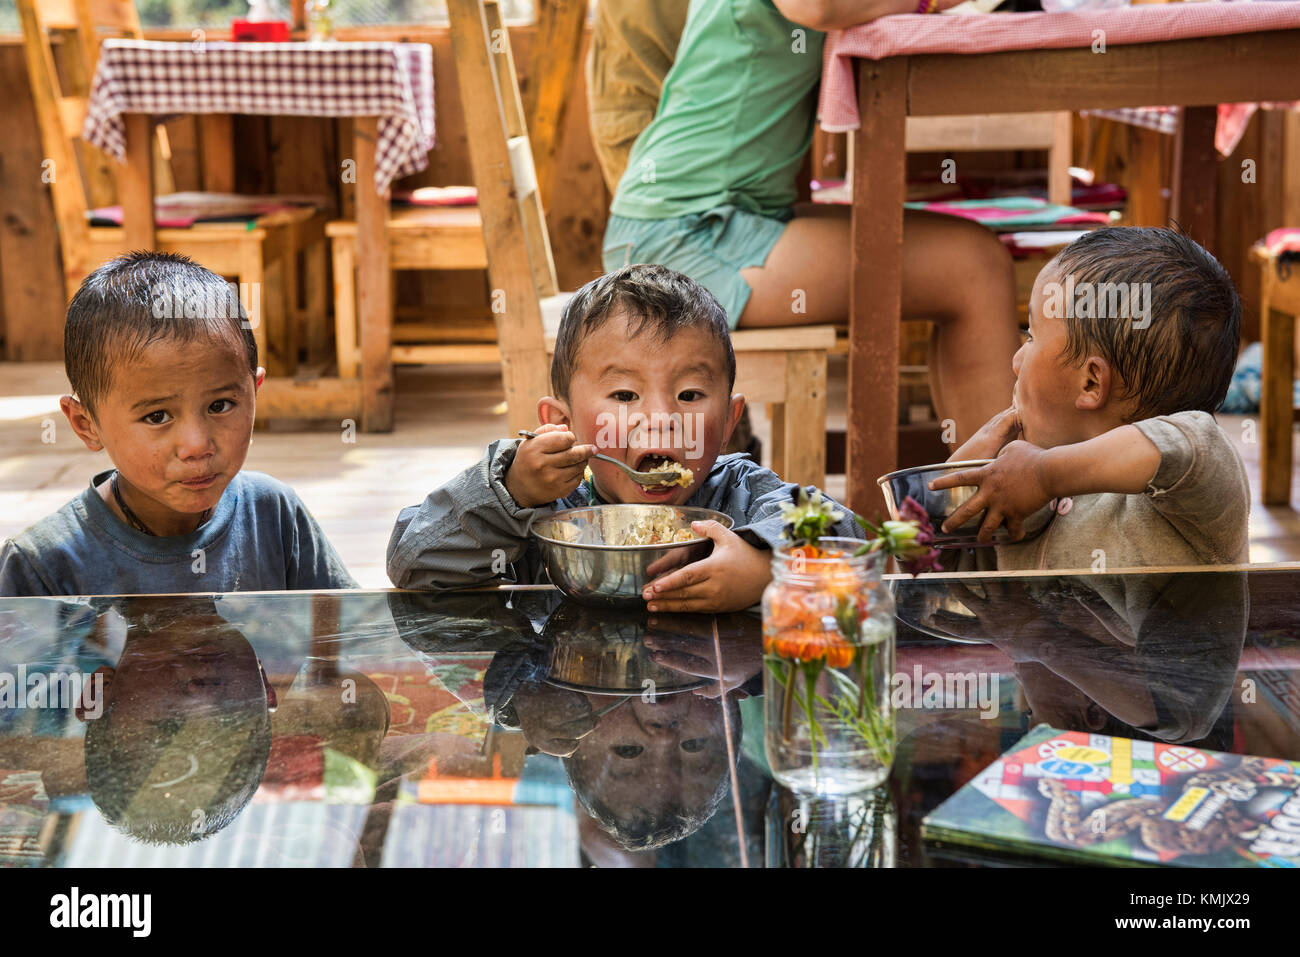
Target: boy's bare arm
1121,460
1025,477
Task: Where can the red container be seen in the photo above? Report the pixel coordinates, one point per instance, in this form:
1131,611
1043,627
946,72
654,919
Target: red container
271,31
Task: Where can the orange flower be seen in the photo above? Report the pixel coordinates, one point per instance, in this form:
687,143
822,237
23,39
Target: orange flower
803,644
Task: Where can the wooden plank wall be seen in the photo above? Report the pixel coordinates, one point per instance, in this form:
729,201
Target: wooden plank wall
288,155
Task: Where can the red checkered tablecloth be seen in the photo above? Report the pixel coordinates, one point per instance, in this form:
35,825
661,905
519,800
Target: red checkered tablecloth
393,81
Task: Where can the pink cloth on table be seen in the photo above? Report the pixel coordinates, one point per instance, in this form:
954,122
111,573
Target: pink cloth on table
997,32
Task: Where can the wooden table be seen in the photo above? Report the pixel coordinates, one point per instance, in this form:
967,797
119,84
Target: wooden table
369,398
1195,73
385,88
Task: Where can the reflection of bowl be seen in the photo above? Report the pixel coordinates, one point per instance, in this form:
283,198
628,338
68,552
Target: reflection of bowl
940,504
582,564
928,607
604,652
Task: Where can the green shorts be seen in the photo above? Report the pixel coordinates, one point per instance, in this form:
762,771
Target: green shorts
710,247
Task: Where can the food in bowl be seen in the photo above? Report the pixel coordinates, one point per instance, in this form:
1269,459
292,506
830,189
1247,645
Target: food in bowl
591,554
653,529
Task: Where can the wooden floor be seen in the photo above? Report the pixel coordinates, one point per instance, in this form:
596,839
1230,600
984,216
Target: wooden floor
445,418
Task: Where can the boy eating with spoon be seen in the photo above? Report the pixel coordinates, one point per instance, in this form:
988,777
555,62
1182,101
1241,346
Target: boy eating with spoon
1133,334
643,372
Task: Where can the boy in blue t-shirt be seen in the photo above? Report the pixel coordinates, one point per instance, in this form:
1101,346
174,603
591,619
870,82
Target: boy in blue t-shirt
163,366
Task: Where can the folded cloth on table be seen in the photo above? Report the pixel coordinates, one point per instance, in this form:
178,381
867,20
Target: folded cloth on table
1015,213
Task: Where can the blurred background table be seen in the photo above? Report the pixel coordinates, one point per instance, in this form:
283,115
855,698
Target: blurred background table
386,87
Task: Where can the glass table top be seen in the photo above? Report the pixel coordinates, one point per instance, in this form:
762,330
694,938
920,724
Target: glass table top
512,727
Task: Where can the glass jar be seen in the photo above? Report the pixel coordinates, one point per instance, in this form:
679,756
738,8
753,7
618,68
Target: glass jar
828,656
320,22
852,830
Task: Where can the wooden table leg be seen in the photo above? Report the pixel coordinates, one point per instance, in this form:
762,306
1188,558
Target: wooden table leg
875,290
1195,179
135,183
1276,400
374,292
217,159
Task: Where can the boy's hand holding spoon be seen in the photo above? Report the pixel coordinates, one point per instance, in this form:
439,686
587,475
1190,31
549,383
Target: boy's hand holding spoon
548,466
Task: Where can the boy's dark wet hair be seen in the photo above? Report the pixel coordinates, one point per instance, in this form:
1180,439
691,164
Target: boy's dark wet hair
138,299
1183,360
654,298
119,767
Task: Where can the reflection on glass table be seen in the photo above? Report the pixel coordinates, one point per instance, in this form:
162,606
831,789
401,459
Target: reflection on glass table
511,728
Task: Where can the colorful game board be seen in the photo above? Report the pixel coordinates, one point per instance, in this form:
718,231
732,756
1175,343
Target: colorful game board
1109,800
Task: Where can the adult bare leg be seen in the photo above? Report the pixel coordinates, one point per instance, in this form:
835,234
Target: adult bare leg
955,273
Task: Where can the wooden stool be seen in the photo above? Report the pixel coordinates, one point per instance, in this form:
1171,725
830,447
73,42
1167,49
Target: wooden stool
1279,304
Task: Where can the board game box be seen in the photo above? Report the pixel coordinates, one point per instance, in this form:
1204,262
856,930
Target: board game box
1096,799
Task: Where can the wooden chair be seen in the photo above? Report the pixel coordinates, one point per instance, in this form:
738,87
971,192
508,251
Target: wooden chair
419,237
262,256
785,368
116,18
452,238
1279,304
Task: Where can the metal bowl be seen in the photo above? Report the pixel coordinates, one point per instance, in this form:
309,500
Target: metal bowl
584,567
940,504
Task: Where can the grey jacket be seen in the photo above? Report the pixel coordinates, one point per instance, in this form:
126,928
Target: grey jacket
449,539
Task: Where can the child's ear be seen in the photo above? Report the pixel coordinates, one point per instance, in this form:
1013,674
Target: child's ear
734,411
552,411
82,422
258,378
1095,390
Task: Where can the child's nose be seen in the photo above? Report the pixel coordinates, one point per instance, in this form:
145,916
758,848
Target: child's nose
194,440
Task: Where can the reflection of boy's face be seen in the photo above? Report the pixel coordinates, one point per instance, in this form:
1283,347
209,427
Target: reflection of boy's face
673,396
197,667
176,420
644,758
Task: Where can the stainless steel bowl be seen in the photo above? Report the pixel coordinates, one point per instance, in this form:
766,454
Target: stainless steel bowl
940,504
584,567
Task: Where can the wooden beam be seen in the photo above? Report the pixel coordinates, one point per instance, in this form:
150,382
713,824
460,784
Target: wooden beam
374,286
1246,67
1195,177
876,282
334,399
135,183
552,66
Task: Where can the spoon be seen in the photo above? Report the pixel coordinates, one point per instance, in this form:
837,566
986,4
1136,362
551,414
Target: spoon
641,478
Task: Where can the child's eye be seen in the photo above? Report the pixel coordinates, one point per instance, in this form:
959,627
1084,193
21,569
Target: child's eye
694,744
156,418
691,395
221,405
627,750
623,396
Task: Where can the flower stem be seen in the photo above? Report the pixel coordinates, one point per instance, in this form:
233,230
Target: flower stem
810,678
787,704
